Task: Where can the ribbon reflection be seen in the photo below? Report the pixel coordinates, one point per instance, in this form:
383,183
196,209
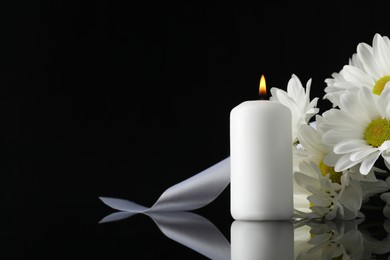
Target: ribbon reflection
188,229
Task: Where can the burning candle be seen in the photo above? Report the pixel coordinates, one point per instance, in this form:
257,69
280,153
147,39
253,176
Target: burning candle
261,185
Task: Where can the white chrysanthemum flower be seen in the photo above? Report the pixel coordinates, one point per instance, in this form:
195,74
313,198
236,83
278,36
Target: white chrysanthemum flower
298,101
325,198
368,68
313,150
359,131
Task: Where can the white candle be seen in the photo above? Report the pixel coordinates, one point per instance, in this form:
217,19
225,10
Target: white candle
261,184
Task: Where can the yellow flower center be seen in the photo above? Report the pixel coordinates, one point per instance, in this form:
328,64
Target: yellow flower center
380,85
334,176
377,132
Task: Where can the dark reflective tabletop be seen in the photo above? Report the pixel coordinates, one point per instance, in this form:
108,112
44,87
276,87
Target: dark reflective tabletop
93,231
127,98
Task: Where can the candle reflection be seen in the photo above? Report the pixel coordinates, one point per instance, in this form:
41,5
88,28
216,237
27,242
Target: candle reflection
262,240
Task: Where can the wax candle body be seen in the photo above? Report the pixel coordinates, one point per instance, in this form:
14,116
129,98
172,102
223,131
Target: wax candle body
261,185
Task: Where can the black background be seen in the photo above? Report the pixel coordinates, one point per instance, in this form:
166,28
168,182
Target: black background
125,99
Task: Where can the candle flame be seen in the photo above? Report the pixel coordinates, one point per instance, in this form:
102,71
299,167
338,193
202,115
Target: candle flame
262,86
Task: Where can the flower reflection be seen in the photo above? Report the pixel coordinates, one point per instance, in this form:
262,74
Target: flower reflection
328,240
377,238
341,240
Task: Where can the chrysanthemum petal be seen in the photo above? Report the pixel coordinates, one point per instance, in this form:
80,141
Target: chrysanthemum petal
385,146
319,201
369,100
301,203
386,40
309,168
352,197
334,136
295,88
344,163
354,74
340,119
368,163
355,109
280,96
359,155
321,211
355,61
318,191
303,180
308,88
349,145
377,187
383,104
331,159
333,212
365,54
310,139
382,54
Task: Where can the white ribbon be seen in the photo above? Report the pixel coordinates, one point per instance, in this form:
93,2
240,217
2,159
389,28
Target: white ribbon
190,194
